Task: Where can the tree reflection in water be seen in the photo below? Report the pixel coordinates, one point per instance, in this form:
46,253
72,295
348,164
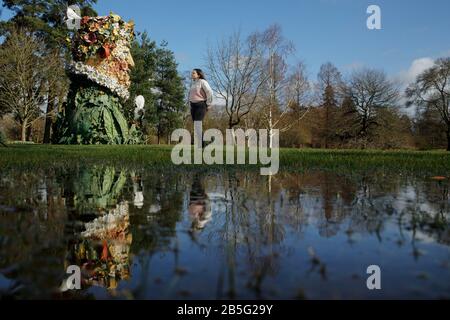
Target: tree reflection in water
229,234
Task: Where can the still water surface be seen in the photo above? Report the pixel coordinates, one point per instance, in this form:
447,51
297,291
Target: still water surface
155,234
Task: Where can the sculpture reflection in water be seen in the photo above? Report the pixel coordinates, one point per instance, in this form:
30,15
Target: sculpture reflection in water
199,205
103,248
102,239
94,188
138,190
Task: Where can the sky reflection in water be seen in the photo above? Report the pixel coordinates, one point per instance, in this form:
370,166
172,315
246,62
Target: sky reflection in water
202,234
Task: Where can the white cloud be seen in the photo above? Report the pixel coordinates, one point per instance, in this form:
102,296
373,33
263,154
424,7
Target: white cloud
354,66
406,77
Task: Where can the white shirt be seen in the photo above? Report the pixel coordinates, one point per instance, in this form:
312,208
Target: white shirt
201,91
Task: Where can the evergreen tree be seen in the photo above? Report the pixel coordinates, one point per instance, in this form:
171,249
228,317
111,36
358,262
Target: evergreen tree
347,123
143,51
170,93
329,106
329,79
45,19
156,78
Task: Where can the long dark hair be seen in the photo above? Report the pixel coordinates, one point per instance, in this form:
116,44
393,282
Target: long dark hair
200,73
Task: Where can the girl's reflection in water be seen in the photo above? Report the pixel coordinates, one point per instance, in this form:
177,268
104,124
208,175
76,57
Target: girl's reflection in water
199,204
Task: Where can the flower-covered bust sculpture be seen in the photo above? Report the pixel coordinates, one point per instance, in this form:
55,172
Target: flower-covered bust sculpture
102,250
100,81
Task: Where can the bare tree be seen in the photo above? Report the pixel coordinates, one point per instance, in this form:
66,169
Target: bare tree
298,85
431,90
328,76
57,88
279,87
370,90
234,72
26,73
295,104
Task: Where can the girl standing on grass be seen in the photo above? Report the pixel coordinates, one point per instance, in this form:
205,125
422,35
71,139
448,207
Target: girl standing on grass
200,99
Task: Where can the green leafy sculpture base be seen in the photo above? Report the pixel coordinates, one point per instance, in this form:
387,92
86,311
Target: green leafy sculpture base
93,116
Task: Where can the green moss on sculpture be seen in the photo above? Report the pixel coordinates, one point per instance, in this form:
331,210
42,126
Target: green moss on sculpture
93,116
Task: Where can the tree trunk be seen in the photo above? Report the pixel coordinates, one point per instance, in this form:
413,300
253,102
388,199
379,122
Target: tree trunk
48,121
326,125
29,132
363,131
448,138
272,96
270,127
24,130
230,123
270,138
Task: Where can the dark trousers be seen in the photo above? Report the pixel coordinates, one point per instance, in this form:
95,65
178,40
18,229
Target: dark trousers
198,110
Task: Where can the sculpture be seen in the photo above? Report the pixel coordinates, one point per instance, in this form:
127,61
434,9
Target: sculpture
100,81
102,250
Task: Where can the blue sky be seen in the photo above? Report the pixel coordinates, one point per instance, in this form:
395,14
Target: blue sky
322,30
413,32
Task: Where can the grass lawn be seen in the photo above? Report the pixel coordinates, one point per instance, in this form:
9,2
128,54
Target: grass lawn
43,156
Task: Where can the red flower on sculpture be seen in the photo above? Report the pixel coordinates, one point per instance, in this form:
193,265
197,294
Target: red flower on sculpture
90,38
85,20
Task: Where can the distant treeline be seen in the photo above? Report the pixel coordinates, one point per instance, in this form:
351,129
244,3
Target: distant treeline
255,88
